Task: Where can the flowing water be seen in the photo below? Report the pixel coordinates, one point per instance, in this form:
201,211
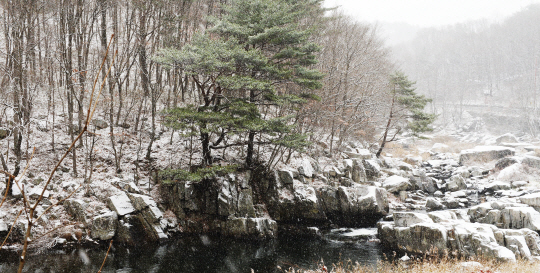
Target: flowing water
208,254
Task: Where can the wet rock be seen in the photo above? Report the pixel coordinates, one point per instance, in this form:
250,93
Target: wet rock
485,153
245,203
104,226
250,227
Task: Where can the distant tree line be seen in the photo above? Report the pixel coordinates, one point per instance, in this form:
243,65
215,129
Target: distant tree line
479,63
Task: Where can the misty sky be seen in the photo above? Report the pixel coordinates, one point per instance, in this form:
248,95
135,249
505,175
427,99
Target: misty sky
427,13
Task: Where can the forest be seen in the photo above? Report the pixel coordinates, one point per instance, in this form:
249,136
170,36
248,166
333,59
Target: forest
53,50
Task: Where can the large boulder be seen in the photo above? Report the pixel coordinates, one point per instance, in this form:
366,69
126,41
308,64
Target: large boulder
250,227
286,177
485,153
532,199
306,169
521,217
121,204
373,169
407,219
531,161
358,173
456,183
104,226
100,124
425,237
348,206
506,138
77,209
395,184
358,153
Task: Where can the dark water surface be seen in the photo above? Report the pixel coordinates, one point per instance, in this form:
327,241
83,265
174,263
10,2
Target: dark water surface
208,254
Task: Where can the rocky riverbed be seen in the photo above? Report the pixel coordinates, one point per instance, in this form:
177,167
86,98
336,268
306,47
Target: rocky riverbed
480,202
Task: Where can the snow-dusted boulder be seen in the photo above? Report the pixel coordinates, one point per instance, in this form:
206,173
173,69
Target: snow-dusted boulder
497,186
395,184
121,204
358,173
100,124
456,183
306,169
434,204
104,226
521,217
250,227
77,209
440,147
373,169
358,153
407,219
467,239
485,153
531,161
286,177
532,199
506,138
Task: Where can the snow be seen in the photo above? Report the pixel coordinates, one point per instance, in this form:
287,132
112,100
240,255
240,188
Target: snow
121,204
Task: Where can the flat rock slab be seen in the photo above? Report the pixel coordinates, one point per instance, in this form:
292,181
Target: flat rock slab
121,204
485,153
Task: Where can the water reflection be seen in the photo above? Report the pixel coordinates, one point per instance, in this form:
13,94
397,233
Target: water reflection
206,254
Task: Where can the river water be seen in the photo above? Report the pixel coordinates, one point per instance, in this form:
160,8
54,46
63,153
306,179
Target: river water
208,254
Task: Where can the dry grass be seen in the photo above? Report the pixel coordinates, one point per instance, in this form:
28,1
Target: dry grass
398,150
454,145
430,266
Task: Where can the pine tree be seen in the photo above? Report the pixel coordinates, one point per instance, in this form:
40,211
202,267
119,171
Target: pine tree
406,110
256,48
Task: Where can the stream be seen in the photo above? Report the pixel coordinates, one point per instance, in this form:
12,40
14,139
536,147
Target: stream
208,254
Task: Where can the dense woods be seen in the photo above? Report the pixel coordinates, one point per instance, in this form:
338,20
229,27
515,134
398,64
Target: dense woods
303,78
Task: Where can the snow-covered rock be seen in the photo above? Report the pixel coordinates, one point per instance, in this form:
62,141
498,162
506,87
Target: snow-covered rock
121,204
104,226
395,184
485,153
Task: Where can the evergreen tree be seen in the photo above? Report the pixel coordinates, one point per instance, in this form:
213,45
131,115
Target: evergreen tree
406,110
256,48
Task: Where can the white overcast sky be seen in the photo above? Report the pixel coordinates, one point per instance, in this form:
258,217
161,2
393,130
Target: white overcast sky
429,13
